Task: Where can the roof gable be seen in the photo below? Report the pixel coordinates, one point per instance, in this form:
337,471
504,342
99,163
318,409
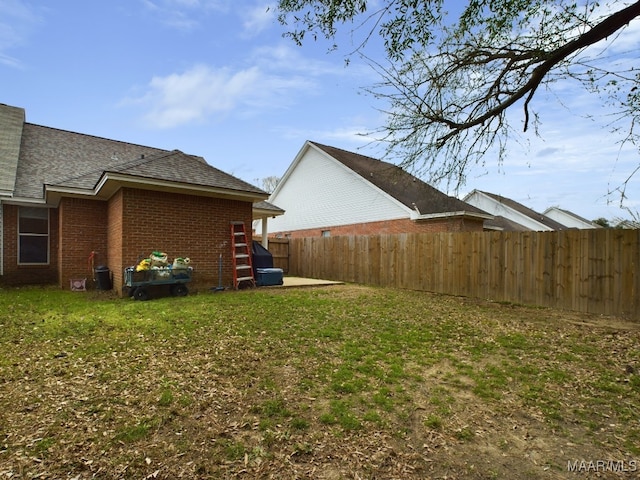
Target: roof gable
400,185
69,161
317,190
502,206
327,186
170,166
569,218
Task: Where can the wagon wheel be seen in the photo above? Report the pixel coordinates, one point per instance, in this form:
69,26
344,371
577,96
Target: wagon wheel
141,294
179,290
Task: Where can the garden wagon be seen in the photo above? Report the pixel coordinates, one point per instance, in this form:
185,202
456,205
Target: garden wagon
138,282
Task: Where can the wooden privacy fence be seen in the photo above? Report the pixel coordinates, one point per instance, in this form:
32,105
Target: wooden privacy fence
594,271
279,249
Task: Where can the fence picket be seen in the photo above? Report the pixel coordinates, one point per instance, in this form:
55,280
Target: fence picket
594,271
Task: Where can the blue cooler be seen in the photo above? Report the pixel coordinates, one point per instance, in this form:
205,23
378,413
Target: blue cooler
268,276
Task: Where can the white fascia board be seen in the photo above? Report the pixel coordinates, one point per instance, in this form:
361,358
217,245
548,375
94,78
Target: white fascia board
27,202
266,213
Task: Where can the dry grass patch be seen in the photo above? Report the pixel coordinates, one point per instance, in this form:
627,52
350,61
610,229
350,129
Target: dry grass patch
321,383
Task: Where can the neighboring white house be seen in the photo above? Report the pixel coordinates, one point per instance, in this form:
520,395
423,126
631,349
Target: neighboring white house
512,211
569,219
329,191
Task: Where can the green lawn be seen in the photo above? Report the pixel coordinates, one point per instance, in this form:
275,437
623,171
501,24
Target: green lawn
328,383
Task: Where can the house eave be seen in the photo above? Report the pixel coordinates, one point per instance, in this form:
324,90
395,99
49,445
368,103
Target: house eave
25,201
266,213
111,182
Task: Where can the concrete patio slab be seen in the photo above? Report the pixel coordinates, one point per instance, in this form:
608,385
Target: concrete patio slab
307,282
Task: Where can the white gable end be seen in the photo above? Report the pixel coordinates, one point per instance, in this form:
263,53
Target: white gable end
496,208
567,219
322,192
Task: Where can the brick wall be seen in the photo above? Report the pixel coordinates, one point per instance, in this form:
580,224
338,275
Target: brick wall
115,239
15,274
179,225
131,225
402,225
83,228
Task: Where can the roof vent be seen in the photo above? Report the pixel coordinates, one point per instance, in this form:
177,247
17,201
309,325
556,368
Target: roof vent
142,155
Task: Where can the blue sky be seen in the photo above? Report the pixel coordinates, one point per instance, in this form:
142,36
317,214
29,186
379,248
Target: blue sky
216,78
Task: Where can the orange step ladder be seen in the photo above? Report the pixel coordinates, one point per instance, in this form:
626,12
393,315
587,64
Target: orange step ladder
241,256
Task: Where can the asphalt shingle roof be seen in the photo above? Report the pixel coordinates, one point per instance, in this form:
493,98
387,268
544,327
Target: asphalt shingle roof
502,223
401,185
68,159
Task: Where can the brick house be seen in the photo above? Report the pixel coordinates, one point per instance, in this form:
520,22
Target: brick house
64,195
327,191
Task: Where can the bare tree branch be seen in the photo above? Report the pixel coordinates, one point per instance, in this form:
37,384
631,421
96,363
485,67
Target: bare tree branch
546,61
448,83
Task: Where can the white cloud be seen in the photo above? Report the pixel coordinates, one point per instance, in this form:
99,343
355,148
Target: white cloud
257,19
284,56
16,24
188,4
203,92
347,136
184,14
189,14
274,78
191,96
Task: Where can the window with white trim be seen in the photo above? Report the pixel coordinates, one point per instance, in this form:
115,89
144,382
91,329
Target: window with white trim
33,235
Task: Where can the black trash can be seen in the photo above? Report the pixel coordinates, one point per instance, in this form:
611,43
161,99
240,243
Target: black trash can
103,278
